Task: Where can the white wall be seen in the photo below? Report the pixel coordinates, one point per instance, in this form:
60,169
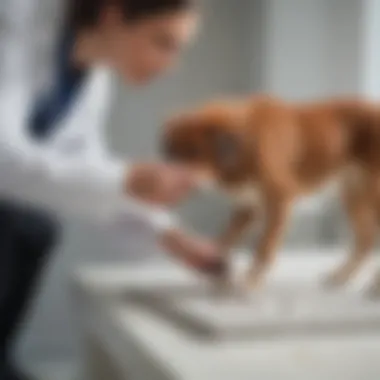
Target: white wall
344,46
310,48
294,48
371,49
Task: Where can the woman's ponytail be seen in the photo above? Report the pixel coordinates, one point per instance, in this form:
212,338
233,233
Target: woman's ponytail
85,13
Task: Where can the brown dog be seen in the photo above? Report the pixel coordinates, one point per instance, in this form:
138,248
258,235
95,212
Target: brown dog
266,152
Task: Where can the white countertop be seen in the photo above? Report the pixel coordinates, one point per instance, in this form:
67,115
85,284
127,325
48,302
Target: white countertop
347,357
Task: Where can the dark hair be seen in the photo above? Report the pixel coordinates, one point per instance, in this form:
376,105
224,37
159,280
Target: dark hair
85,13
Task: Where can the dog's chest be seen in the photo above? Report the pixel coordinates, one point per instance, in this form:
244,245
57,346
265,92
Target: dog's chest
248,195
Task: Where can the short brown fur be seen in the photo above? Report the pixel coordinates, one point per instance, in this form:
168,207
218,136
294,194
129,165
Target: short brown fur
282,151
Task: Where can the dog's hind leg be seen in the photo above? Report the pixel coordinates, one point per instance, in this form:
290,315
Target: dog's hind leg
358,198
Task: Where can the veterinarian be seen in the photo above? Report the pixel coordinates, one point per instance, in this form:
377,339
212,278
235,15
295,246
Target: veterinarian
54,96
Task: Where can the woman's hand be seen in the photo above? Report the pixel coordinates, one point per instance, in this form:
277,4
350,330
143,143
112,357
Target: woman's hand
159,183
198,253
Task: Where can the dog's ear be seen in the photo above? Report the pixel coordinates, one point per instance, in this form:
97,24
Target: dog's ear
227,149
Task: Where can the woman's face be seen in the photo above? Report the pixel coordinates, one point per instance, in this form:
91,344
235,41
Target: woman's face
144,49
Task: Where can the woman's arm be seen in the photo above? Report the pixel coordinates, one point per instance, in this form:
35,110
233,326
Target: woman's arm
91,117
34,173
95,186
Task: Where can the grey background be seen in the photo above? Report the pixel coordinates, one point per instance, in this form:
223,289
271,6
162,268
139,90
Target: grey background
300,49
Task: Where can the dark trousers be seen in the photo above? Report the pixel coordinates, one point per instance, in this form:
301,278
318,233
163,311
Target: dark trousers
27,237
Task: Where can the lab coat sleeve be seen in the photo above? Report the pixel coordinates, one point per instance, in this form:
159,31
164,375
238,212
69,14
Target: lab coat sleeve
33,173
83,186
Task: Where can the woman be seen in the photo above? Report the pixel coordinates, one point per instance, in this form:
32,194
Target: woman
52,151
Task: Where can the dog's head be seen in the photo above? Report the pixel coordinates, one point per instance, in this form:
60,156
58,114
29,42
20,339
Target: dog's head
213,140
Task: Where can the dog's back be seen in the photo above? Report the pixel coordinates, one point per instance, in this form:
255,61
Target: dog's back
355,123
332,135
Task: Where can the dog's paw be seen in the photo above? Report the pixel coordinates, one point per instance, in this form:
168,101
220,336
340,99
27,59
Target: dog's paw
222,287
252,284
335,280
222,284
227,290
373,291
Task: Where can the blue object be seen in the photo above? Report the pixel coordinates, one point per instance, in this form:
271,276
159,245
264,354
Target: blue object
56,103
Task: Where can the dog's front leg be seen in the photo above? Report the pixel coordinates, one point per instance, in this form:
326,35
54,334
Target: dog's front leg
241,219
277,213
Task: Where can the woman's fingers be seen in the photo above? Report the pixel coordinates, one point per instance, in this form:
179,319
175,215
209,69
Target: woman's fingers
195,252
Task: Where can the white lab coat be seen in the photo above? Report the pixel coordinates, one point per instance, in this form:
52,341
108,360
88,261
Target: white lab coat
72,172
